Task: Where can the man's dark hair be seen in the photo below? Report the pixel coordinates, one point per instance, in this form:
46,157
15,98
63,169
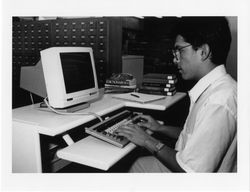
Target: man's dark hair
213,31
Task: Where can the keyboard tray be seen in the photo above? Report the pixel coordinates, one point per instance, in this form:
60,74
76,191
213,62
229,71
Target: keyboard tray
94,152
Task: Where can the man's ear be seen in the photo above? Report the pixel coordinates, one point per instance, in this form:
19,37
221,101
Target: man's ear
205,52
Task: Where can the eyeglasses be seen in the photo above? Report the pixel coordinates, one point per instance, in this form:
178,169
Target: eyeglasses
176,51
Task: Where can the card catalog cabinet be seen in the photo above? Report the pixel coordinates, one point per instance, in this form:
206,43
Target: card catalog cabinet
30,37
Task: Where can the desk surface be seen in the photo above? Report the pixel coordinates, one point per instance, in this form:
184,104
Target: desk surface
96,153
50,123
88,151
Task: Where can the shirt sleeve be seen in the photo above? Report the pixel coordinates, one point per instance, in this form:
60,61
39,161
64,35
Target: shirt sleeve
213,132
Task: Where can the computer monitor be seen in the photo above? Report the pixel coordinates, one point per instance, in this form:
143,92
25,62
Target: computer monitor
69,74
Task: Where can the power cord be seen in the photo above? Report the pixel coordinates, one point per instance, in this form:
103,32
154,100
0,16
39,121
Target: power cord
31,98
62,113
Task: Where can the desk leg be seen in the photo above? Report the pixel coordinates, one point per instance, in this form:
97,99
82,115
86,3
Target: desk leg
26,152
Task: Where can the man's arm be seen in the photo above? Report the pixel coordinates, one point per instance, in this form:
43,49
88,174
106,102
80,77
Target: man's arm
138,136
170,131
166,154
152,124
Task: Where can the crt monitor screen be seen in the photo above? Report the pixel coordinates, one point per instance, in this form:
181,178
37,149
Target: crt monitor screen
77,71
66,75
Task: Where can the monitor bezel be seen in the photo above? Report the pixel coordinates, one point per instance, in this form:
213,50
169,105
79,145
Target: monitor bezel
55,86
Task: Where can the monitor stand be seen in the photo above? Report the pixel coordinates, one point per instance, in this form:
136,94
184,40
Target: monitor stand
70,109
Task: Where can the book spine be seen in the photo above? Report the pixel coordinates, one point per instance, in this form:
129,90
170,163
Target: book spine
115,82
166,89
160,76
157,84
171,77
157,92
171,93
120,82
172,81
119,86
166,81
118,90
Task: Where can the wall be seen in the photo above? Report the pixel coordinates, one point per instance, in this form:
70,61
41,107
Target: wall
232,57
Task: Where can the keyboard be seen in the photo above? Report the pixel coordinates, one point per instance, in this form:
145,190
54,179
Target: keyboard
105,130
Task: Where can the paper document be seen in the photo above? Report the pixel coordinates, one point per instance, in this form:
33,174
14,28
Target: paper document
139,97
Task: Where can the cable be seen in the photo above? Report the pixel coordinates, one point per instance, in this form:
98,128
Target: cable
31,97
62,113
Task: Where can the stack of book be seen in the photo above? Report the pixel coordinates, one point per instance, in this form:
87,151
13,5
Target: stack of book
159,84
120,83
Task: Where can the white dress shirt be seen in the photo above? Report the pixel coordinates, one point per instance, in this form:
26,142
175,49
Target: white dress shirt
211,126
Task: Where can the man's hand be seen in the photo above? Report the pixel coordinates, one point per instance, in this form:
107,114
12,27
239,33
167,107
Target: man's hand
134,133
148,122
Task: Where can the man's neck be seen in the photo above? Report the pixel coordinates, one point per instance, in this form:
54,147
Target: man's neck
205,69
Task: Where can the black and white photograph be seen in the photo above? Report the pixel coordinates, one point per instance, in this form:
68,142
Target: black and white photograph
125,96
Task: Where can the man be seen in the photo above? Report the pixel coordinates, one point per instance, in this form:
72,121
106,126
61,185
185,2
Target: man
207,142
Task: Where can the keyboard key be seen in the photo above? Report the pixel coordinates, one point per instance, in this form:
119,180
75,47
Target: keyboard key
106,130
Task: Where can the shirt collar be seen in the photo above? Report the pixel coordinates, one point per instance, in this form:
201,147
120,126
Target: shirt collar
206,81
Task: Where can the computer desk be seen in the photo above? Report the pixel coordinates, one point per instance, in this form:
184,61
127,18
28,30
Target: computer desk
28,123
